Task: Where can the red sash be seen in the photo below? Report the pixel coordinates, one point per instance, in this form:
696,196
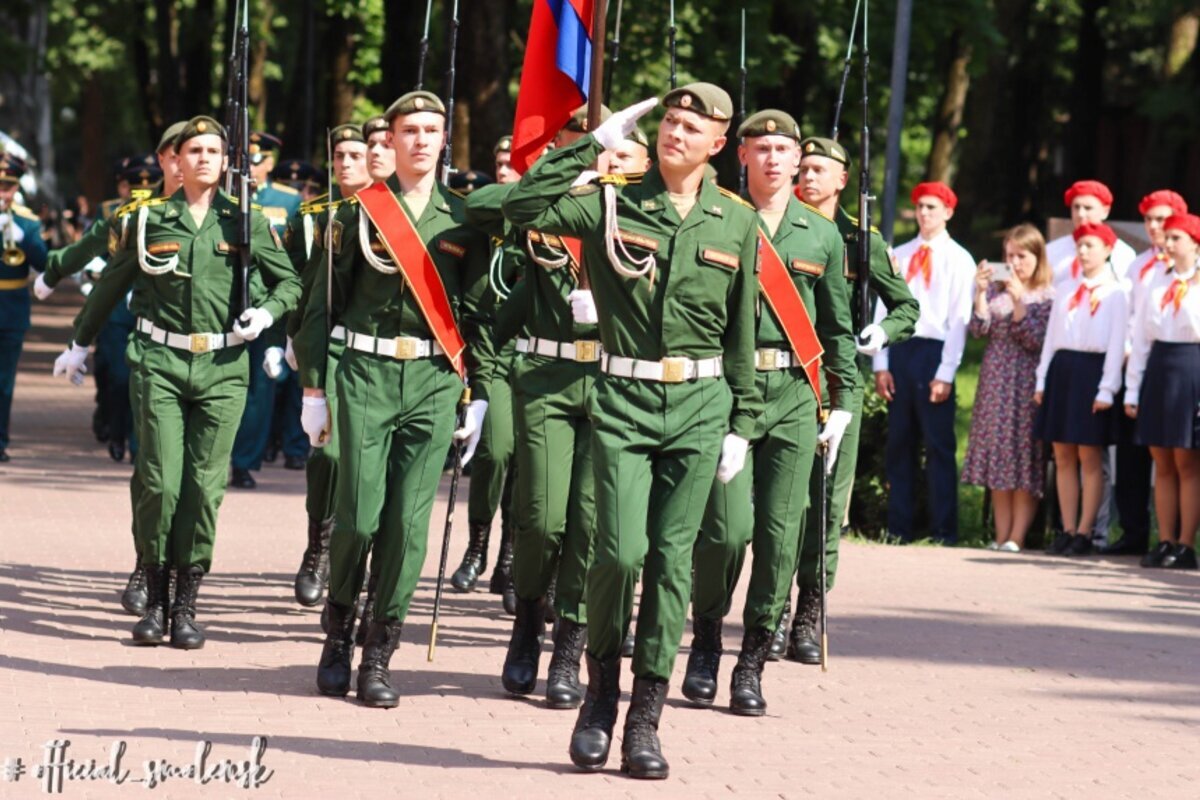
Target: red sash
784,299
404,245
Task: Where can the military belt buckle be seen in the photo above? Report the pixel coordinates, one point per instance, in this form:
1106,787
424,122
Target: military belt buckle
586,350
199,343
674,370
406,348
767,358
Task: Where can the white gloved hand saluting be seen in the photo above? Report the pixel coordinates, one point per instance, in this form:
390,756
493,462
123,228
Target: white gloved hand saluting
314,419
832,433
472,428
583,307
617,128
273,362
871,340
733,457
289,355
40,290
252,322
72,362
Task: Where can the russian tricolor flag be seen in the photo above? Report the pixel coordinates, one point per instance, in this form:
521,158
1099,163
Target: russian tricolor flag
555,76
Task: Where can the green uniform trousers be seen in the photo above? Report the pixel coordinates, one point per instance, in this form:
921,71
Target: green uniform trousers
395,420
808,572
554,495
493,457
776,474
321,470
133,357
190,408
655,448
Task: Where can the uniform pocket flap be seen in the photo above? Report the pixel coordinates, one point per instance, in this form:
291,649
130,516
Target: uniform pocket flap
454,249
638,240
719,256
162,248
808,267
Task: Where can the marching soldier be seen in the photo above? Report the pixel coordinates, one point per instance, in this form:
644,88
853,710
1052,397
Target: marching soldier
381,157
804,310
23,250
408,276
194,368
672,267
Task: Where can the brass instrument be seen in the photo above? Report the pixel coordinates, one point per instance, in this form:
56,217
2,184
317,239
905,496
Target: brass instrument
13,256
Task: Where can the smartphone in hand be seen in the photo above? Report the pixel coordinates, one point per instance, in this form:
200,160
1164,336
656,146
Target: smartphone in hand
1001,271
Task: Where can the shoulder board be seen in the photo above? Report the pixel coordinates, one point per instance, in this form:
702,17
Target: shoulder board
816,211
456,193
320,201
853,219
283,187
256,207
22,211
586,188
735,196
631,179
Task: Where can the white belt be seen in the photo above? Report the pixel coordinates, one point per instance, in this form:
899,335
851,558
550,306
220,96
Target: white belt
191,342
669,370
583,350
402,348
768,359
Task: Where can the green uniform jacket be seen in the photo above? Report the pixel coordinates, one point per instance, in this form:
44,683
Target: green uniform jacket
370,302
198,297
811,248
308,255
702,301
96,242
902,307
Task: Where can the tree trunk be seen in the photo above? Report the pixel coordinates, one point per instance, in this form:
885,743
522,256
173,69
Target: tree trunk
167,83
483,112
1087,96
950,111
93,169
260,41
196,58
1181,42
340,58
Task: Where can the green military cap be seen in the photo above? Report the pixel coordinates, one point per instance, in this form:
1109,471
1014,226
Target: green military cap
413,102
705,99
200,126
820,146
769,122
503,145
346,133
636,135
170,135
375,125
578,123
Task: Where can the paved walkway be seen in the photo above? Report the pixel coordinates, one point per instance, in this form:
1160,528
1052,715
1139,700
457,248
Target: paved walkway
955,673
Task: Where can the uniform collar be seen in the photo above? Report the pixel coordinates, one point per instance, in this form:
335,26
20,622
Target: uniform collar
439,198
657,200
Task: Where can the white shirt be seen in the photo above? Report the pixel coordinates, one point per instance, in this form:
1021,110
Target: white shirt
1147,269
1122,257
1060,248
945,302
1098,324
1153,322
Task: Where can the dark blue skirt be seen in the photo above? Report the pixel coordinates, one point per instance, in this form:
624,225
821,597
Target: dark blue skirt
1065,414
1169,402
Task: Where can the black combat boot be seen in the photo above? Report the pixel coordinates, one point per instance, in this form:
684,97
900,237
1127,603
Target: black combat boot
185,633
474,561
551,617
374,690
779,640
562,679
314,566
333,673
745,685
135,598
592,737
151,628
366,609
700,682
502,574
525,647
641,753
802,641
628,645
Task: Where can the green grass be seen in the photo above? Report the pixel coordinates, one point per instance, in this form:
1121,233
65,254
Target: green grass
971,528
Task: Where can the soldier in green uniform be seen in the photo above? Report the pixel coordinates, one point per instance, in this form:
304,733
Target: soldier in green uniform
806,245
824,172
194,367
671,259
397,386
381,157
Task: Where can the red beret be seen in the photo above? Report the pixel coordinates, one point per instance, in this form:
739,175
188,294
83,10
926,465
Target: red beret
1094,188
1188,223
1099,230
935,189
1163,197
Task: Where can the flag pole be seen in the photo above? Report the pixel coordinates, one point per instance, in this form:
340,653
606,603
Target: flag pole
595,90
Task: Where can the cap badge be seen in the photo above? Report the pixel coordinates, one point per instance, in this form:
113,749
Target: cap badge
685,101
771,126
418,103
201,126
810,147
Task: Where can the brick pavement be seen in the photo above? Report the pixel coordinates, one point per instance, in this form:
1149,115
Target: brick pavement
955,673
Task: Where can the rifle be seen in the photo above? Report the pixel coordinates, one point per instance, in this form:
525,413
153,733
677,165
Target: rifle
237,128
837,110
424,45
441,578
823,519
614,57
447,154
671,30
865,198
595,91
742,98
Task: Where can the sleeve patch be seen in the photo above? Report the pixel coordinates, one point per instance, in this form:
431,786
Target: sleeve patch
456,250
225,248
721,258
114,241
337,238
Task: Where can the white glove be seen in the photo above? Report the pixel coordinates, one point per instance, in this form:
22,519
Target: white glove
472,428
72,362
40,289
616,128
733,457
289,355
832,433
252,322
273,362
871,340
583,307
18,233
314,419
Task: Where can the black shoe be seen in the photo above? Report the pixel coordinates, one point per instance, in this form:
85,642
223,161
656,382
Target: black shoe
1182,557
185,633
135,598
333,672
641,752
592,737
366,610
628,645
1123,547
509,598
1081,545
802,639
151,628
374,688
99,426
779,640
116,451
242,479
562,678
524,647
295,462
271,453
1155,557
313,574
745,684
700,682
474,561
4,456
1060,543
502,574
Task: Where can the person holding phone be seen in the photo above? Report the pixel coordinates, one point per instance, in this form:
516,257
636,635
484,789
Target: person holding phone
1012,309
